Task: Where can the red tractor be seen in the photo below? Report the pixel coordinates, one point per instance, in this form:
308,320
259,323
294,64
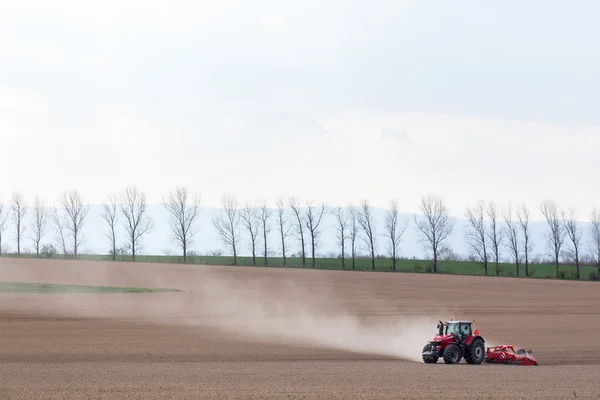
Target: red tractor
455,340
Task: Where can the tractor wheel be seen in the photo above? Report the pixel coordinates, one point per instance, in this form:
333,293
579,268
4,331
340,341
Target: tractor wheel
475,352
429,360
452,354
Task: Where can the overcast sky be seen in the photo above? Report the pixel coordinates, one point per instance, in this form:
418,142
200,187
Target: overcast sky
334,100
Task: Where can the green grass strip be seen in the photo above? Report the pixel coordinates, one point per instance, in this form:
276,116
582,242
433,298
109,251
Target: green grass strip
24,287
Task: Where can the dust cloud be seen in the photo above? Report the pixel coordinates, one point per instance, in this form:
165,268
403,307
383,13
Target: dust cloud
294,316
261,308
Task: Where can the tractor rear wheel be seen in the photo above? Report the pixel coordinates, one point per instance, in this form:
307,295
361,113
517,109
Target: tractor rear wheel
431,359
452,354
475,352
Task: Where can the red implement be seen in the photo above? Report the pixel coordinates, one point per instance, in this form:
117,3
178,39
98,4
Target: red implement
506,354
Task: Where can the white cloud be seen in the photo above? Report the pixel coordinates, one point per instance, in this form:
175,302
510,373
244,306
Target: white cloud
463,159
267,98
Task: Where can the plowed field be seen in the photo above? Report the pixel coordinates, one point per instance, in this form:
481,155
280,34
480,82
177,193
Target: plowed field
241,332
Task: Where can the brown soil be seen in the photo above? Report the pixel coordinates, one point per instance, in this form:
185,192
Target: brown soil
274,333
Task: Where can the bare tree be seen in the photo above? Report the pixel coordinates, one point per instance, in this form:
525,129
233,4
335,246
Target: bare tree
284,227
19,209
265,214
227,223
476,233
512,234
183,212
394,230
60,230
556,236
436,227
523,215
341,232
40,219
75,213
134,207
365,221
3,221
575,235
293,203
251,222
109,214
313,221
595,238
495,234
354,230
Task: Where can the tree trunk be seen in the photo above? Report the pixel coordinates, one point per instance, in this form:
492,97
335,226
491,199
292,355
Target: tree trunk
18,239
373,261
353,241
283,248
577,263
372,253
485,261
114,257
343,257
265,238
75,245
303,253
313,250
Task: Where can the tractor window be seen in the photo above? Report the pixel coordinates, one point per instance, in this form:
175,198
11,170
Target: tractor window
465,329
452,329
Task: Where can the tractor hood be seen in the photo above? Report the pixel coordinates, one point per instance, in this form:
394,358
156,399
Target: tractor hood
443,338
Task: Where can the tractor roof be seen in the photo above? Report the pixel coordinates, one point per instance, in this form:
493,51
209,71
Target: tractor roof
456,322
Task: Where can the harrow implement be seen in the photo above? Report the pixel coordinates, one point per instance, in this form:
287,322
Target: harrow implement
506,354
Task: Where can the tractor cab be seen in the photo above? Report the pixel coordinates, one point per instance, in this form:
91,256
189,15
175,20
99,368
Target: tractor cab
459,330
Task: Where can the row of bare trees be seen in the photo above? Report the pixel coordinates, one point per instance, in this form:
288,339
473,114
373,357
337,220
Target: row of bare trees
487,235
490,229
182,206
254,220
129,208
354,224
67,216
565,233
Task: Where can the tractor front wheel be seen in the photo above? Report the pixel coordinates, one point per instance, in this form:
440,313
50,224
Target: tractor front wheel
429,359
476,352
452,354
